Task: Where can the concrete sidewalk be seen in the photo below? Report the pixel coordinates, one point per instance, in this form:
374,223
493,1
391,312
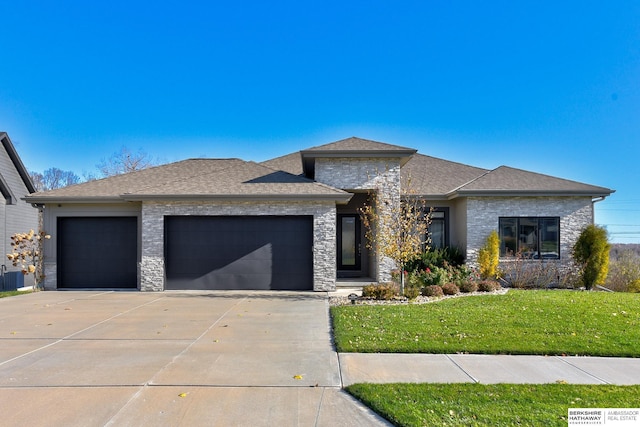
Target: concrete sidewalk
486,369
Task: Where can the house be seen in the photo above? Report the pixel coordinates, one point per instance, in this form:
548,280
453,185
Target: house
16,215
292,222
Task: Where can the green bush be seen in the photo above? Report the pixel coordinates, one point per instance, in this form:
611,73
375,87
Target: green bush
411,292
382,291
468,286
436,258
488,286
450,289
591,252
432,291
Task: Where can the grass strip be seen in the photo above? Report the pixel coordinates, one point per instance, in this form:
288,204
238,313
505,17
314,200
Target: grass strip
5,294
519,322
472,404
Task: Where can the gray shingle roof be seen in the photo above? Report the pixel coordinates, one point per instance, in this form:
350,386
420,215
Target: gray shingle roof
359,144
505,180
283,178
200,179
430,176
291,163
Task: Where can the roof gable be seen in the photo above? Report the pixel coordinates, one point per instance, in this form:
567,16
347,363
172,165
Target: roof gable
355,144
17,162
353,147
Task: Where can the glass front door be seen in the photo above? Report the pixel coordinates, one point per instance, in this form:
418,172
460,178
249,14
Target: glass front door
349,244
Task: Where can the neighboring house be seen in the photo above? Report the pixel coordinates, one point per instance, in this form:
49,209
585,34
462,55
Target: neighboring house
16,215
292,222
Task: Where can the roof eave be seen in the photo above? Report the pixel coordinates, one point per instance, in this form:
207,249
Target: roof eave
44,200
530,193
336,198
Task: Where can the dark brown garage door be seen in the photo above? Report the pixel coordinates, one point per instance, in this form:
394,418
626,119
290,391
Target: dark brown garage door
234,252
97,252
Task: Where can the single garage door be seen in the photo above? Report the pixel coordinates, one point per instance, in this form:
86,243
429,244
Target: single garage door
97,252
239,252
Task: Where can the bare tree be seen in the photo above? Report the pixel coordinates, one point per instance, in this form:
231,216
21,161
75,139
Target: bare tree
53,178
38,180
124,161
398,229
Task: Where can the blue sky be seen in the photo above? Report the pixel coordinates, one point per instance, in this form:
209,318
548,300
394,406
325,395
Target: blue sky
547,86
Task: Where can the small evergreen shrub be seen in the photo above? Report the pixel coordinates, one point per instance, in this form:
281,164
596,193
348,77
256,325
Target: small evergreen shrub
488,286
450,289
382,291
411,292
433,291
489,256
468,286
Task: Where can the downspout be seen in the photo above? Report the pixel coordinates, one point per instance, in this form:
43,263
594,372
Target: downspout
593,207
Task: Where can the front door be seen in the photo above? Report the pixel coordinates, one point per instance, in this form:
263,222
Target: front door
349,242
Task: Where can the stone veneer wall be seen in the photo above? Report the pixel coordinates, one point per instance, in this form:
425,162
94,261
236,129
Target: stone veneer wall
483,213
381,175
324,229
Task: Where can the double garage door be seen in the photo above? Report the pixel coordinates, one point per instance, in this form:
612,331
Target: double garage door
201,252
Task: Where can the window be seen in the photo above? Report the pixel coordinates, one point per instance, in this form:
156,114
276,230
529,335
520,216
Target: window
531,237
438,228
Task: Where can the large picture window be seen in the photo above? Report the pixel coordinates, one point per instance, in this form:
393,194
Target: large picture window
530,237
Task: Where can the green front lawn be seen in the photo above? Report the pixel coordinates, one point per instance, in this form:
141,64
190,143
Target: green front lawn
488,405
519,322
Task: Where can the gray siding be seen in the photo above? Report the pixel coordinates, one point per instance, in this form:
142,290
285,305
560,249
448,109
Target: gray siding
17,217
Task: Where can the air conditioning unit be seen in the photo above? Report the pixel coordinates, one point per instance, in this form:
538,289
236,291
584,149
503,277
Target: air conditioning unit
13,280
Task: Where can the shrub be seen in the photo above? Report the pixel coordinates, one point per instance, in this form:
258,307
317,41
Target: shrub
624,272
489,256
450,289
468,286
591,252
525,273
488,286
436,258
432,291
382,291
411,292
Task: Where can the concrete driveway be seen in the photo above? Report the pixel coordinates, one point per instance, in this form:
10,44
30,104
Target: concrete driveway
130,358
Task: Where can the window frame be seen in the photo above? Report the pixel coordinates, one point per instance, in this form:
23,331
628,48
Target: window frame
444,220
523,221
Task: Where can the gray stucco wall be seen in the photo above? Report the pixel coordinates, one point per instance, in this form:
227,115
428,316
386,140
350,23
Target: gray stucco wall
324,239
381,176
483,213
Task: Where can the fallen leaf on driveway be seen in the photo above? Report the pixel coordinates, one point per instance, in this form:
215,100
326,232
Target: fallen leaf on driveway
297,377
182,395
